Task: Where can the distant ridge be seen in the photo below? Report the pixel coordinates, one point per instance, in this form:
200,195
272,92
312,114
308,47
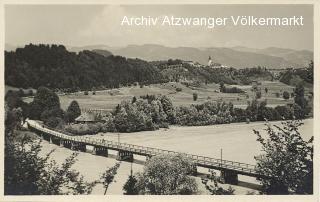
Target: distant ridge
238,57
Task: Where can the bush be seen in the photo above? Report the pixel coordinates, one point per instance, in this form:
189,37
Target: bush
258,94
53,122
84,129
178,89
30,93
167,175
284,112
195,96
286,95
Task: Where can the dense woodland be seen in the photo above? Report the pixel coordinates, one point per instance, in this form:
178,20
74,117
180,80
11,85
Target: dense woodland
56,68
294,76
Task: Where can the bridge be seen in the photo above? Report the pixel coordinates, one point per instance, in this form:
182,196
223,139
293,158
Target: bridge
229,169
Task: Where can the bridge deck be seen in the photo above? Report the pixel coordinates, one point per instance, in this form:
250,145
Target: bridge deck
201,161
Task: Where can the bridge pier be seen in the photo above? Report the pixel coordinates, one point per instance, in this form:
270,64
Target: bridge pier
46,137
101,151
65,143
125,156
229,177
54,140
78,146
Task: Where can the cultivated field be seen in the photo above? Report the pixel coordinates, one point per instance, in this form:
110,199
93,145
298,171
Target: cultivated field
108,99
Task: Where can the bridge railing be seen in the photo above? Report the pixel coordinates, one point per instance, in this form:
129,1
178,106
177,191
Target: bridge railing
146,150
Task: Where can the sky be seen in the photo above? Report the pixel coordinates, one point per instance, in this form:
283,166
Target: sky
81,25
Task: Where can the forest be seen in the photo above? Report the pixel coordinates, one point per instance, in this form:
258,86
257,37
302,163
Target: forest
54,67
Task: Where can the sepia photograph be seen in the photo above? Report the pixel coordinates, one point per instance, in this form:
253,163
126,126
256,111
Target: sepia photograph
165,99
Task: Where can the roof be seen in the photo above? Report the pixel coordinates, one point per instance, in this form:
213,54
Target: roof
86,117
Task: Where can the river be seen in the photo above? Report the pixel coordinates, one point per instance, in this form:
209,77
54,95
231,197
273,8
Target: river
237,141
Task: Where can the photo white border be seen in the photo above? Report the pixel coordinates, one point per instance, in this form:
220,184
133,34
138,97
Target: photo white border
192,198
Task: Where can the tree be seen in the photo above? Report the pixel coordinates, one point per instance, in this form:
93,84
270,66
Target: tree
45,99
108,177
167,175
286,95
73,111
299,98
222,87
195,96
28,173
134,99
130,186
168,108
287,160
258,94
211,184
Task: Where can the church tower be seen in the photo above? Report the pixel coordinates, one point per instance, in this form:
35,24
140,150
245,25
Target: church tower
209,61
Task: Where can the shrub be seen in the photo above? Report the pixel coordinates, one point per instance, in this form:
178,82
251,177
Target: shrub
195,96
178,89
53,122
84,129
167,175
30,93
286,95
284,112
258,94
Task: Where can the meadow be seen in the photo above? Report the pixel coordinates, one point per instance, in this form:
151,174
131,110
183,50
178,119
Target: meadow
108,99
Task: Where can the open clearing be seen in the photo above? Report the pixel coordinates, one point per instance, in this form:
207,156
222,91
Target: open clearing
108,99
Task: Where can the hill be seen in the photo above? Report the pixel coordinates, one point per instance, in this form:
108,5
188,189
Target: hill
55,67
237,57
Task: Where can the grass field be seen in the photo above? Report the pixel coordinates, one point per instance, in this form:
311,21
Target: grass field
108,99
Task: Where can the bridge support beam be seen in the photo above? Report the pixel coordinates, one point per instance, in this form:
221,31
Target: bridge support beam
229,177
125,156
101,151
78,146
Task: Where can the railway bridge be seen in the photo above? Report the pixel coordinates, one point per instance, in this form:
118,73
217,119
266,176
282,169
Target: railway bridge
229,169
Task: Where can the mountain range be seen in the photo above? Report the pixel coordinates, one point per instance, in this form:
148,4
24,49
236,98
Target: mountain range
237,57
